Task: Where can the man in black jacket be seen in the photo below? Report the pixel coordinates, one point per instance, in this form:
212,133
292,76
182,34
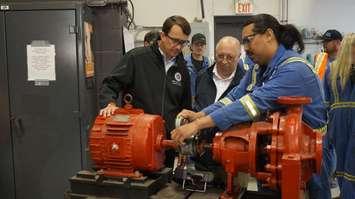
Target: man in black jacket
156,77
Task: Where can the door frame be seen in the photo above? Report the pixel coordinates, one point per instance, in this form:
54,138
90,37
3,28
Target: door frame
6,149
233,20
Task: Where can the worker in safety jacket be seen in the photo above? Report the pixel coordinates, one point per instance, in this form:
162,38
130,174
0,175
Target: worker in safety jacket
340,93
280,71
331,40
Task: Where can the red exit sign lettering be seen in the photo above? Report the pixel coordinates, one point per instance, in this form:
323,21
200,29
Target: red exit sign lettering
243,7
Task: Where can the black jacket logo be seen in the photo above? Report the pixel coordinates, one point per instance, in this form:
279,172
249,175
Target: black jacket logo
177,80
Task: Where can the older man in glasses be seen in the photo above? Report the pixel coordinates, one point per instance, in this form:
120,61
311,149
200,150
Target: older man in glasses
214,84
222,76
156,77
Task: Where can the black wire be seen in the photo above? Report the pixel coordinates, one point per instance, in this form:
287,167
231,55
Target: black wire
202,9
132,16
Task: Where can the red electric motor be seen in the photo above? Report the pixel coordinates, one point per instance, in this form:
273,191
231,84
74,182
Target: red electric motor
292,149
128,142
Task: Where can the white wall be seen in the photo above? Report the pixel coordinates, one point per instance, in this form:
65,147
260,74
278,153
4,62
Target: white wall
317,14
323,14
154,12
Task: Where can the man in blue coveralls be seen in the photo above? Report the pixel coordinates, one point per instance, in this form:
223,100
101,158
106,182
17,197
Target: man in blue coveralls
280,71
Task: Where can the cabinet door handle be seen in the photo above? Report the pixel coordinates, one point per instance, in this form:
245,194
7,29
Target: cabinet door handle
17,123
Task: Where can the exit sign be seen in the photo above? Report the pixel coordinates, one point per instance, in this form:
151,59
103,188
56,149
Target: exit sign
243,7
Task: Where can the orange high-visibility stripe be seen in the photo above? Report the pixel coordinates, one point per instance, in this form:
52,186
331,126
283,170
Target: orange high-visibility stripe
321,64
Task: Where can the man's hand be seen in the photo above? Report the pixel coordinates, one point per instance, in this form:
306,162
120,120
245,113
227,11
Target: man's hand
108,110
190,115
190,129
184,132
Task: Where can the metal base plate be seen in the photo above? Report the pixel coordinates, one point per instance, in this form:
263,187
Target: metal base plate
87,184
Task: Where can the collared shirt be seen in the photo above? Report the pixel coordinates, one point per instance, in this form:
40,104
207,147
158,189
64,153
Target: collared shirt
221,83
167,62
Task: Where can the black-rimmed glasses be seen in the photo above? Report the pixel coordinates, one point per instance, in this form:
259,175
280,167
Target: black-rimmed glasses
248,39
178,41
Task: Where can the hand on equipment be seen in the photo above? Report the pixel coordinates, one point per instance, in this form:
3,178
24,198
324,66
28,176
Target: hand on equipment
190,115
108,110
184,132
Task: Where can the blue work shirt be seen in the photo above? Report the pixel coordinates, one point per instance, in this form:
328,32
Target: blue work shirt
259,89
193,71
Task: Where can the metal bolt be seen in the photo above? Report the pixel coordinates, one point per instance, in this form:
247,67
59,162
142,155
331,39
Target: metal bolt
114,147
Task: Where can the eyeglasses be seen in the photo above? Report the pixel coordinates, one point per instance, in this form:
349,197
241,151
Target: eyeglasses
178,41
248,39
221,57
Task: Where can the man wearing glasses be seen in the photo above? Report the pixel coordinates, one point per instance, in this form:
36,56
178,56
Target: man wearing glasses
280,72
214,84
156,77
221,77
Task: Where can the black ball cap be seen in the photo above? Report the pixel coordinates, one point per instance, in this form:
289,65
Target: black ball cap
198,38
332,34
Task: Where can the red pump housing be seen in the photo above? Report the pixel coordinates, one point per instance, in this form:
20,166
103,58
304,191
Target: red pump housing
293,150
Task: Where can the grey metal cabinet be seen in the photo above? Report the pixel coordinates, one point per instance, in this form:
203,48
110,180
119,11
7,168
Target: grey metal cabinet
44,127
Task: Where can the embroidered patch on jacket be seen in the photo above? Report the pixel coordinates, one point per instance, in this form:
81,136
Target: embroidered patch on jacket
177,80
177,76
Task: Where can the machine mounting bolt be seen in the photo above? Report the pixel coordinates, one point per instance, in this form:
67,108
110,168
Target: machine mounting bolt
114,147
